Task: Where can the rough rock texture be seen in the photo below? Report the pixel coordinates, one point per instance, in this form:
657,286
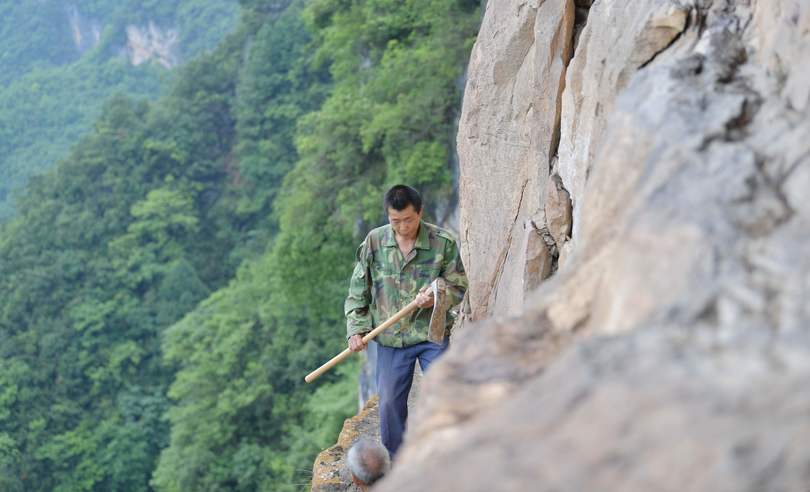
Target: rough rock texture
670,350
600,70
329,474
152,43
86,33
507,137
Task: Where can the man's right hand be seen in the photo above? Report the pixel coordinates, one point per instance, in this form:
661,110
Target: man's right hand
356,343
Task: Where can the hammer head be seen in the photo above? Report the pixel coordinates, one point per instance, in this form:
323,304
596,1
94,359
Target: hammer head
438,319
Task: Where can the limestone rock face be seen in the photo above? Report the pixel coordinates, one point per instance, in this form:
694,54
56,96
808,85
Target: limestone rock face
330,473
150,42
669,348
601,70
507,138
86,33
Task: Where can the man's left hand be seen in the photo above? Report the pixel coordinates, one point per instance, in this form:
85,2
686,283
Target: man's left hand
425,297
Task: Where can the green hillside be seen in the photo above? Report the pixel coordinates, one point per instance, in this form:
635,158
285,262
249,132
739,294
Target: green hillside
60,61
165,288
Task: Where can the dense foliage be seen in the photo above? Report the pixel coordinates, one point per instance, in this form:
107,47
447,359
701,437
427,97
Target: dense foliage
60,61
165,289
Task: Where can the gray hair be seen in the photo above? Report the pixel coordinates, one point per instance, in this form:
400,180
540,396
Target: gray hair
368,461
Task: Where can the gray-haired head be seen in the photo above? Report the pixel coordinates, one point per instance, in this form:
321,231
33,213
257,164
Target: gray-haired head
368,461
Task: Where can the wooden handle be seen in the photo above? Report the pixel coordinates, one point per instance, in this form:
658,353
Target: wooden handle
369,337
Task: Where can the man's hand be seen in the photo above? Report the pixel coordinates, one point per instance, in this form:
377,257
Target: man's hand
356,343
425,297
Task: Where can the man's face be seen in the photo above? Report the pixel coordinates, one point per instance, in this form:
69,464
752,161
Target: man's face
404,222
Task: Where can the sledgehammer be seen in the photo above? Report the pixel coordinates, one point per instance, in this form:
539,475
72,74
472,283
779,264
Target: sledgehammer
369,337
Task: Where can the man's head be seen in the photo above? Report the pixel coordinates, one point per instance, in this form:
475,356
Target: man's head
368,462
404,208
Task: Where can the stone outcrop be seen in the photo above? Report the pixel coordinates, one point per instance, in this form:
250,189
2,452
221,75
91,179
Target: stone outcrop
507,138
668,348
144,43
601,70
86,33
150,42
330,474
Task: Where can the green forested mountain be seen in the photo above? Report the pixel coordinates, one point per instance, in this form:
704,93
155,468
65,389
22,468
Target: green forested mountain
166,287
60,60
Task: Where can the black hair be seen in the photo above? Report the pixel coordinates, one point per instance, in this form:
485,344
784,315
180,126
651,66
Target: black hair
400,196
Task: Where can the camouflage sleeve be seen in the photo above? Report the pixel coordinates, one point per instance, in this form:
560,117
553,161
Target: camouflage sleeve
356,307
453,273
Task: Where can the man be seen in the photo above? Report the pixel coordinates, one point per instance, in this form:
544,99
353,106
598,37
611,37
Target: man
395,265
368,461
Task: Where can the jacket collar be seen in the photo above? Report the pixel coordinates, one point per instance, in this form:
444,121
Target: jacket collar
422,238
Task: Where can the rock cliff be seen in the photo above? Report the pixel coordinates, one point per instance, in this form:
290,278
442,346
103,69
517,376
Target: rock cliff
634,220
86,33
152,43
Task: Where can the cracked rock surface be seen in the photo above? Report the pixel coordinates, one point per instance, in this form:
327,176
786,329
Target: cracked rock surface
508,134
669,349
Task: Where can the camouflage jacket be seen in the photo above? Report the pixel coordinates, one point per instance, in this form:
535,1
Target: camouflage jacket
384,281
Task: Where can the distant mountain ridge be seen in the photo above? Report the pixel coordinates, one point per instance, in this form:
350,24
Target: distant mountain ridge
60,61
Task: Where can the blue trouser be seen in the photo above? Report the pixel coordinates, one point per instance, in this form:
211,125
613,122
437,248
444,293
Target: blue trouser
395,368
